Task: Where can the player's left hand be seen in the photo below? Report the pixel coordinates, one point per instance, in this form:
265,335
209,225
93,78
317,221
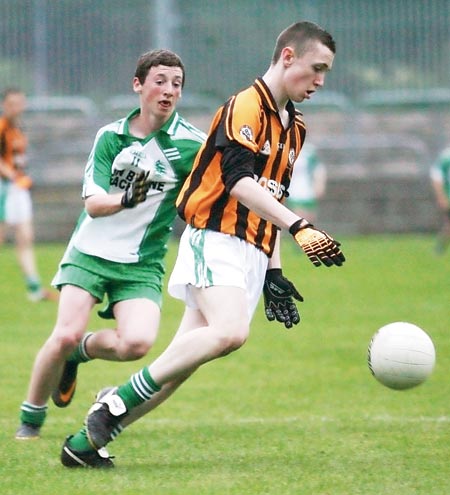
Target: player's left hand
317,244
278,294
137,191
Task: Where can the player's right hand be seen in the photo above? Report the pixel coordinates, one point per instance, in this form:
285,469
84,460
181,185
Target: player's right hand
137,191
317,244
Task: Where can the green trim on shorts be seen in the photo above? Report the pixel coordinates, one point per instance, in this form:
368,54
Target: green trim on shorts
203,274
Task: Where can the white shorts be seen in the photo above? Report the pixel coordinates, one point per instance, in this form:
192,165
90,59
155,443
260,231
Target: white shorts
17,204
207,258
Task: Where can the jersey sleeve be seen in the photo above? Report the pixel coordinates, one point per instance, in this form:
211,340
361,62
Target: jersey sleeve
97,175
242,120
236,137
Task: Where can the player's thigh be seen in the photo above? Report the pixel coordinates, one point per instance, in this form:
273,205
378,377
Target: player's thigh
223,306
208,259
137,319
74,308
191,319
24,233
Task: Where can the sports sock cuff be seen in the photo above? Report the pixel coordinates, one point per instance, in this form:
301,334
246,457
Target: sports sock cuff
80,355
31,414
83,352
139,389
148,378
33,283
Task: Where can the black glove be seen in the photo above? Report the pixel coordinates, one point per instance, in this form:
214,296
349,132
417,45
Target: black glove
317,244
278,303
137,190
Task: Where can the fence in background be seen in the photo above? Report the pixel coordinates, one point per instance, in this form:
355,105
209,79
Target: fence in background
384,116
377,163
89,47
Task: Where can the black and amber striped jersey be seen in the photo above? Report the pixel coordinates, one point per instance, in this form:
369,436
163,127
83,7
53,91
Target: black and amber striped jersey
246,138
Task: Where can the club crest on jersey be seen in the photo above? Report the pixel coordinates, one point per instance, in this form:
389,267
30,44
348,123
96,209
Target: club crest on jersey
291,157
246,132
160,168
265,150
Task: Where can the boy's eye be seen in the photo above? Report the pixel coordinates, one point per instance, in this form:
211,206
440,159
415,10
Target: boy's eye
321,68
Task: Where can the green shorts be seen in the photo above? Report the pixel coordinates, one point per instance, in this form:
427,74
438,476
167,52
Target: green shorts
118,281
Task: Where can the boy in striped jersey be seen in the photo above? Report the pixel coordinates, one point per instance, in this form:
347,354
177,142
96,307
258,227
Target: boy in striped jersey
229,252
16,208
132,178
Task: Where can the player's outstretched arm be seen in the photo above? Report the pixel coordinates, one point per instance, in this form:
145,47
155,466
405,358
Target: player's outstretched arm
317,244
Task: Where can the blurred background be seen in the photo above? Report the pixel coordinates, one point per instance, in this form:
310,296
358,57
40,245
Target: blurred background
380,122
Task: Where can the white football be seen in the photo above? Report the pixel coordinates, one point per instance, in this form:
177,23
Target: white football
401,355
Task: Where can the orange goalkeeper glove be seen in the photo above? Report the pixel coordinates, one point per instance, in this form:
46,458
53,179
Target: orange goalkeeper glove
317,244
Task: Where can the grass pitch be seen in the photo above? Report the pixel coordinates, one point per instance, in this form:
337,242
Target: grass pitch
292,412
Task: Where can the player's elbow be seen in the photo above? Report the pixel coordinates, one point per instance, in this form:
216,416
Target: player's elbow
91,207
240,191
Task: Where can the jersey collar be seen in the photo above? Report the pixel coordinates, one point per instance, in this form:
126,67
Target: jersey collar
169,127
269,101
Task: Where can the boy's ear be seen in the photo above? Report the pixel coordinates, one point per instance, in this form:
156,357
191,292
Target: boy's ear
287,55
137,86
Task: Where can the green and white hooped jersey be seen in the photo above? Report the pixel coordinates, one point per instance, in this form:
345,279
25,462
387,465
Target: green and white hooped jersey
140,233
440,170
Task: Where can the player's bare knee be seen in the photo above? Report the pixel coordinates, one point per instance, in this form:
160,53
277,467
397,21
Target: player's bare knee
237,342
232,338
65,343
133,350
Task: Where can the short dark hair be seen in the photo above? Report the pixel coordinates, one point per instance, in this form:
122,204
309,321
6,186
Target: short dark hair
12,90
154,58
300,35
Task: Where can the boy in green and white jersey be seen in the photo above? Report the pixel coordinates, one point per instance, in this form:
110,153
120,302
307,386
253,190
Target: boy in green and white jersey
133,175
117,157
440,180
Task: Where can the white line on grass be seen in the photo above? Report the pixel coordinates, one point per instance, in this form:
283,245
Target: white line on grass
385,418
275,420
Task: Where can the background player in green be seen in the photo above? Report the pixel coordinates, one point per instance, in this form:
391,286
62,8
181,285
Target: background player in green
308,184
440,180
221,275
132,178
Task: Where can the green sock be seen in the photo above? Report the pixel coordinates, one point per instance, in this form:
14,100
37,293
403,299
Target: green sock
33,415
80,442
80,355
33,284
138,389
